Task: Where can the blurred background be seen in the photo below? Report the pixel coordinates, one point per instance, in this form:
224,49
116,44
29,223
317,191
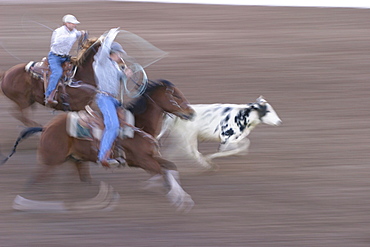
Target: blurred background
304,183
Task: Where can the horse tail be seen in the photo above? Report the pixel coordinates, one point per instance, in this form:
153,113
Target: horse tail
2,74
23,135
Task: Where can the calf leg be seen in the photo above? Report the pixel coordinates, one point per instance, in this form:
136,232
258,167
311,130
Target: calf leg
192,150
229,149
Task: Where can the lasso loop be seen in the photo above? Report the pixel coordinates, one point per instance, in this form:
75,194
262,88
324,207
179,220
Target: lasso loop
139,78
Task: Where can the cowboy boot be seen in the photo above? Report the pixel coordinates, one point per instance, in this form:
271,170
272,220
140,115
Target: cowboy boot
108,162
50,101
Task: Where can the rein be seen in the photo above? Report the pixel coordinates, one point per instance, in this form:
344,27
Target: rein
169,94
172,100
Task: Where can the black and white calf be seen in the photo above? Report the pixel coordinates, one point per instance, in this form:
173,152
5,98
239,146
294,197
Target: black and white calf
229,124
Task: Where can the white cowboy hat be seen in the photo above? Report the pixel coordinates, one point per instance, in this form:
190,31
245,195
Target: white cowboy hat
70,19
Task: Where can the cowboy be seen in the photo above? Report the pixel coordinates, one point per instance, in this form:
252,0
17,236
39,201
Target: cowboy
62,41
109,75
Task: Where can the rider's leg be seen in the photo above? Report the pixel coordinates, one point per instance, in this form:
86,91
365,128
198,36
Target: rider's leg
107,106
55,65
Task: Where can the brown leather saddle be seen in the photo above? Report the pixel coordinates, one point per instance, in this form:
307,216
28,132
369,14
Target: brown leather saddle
89,124
42,71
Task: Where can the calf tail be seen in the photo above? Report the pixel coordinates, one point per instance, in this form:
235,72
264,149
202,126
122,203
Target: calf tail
23,135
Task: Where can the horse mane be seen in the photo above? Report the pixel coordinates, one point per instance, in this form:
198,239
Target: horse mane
84,51
139,105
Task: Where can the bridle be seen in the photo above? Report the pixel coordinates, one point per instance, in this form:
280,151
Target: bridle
169,93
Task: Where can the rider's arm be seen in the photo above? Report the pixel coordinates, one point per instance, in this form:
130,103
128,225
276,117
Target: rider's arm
60,36
103,54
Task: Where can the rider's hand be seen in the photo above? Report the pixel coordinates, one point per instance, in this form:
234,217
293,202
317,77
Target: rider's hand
128,72
84,34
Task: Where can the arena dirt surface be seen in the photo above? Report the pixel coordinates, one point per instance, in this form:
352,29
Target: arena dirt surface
305,183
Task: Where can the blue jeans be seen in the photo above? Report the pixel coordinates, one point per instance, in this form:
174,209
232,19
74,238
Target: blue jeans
108,106
55,65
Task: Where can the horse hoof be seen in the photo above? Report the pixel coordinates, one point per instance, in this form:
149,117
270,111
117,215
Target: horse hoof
181,200
186,205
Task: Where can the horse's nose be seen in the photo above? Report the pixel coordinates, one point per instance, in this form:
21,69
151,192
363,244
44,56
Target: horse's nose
192,115
187,116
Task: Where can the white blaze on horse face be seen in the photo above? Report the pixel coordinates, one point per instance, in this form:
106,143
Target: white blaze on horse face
271,117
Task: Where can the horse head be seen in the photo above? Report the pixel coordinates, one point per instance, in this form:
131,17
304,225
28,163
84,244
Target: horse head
266,113
172,100
87,50
84,61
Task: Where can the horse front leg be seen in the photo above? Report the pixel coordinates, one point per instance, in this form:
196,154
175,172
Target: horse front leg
156,181
176,194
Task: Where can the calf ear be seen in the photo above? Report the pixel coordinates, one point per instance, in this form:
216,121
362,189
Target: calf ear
261,101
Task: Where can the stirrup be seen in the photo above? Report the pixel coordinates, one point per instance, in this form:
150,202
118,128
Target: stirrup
109,163
50,102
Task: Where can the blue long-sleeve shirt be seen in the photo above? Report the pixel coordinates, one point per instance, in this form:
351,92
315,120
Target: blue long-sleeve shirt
107,72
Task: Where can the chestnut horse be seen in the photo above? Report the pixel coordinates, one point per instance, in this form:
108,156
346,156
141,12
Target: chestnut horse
24,89
56,146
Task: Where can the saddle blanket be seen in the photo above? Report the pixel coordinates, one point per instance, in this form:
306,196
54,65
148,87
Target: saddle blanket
80,128
83,125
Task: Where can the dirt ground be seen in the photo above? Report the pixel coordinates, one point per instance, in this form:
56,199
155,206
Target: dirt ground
305,183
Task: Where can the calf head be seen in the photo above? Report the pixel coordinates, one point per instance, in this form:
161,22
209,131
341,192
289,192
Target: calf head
266,113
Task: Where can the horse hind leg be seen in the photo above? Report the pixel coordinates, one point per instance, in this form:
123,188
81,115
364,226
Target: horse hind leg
42,174
83,171
21,114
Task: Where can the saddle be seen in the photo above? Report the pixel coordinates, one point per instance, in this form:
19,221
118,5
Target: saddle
89,125
42,71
